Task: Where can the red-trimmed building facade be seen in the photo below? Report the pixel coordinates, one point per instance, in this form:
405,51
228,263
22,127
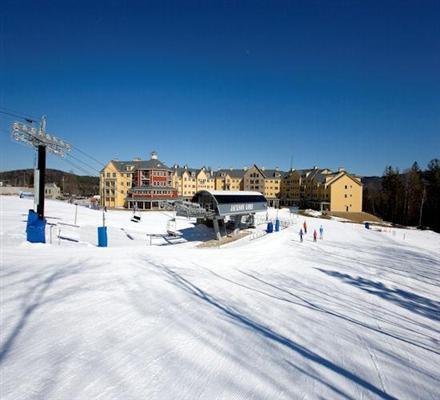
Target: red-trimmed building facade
152,185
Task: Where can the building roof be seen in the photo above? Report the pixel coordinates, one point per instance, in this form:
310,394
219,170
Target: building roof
232,172
273,173
181,170
140,164
340,174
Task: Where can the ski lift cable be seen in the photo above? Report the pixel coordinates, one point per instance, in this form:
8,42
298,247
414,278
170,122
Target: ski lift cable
14,114
83,162
76,166
31,119
88,155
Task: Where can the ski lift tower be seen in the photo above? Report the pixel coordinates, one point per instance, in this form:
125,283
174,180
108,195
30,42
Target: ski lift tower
40,140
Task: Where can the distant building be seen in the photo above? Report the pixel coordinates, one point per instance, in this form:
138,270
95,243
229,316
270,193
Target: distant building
144,185
52,191
322,189
188,181
229,179
14,190
265,181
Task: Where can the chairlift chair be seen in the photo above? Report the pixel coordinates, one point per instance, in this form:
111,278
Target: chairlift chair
172,227
135,218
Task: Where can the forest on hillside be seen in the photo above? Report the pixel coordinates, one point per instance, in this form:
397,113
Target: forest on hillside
81,185
410,197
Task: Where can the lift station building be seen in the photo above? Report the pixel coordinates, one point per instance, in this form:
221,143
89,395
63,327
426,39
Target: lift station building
219,208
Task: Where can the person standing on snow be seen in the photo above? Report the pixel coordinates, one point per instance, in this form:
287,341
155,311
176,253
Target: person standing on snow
321,232
305,227
301,235
315,235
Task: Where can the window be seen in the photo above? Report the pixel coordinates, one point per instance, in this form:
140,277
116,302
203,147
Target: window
346,186
345,195
114,174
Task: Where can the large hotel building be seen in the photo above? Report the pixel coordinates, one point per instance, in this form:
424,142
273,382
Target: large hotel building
147,185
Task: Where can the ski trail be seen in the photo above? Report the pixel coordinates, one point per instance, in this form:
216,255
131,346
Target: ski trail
374,362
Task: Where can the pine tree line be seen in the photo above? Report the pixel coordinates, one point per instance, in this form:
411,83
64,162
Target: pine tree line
411,197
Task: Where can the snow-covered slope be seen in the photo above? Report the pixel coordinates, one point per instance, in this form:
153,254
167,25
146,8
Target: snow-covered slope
353,316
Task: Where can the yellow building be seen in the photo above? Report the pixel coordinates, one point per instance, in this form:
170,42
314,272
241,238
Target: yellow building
318,188
188,181
115,181
344,191
229,179
322,189
265,181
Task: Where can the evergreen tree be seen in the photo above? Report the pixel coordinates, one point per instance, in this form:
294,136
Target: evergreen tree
431,209
413,195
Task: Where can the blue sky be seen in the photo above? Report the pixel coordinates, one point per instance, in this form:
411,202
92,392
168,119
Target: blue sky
327,83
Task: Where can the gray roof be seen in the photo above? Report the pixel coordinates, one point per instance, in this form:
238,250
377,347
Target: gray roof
273,173
156,164
181,170
233,173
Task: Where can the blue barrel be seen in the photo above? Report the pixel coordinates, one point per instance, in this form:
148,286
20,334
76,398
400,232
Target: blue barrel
35,228
277,225
102,236
32,217
269,227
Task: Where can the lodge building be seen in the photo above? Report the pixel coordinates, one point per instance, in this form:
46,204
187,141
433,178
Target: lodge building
148,185
143,185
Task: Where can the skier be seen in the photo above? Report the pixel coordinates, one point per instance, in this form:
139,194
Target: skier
305,227
321,232
314,235
301,235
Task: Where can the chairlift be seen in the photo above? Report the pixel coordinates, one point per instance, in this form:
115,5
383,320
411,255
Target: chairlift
136,215
172,227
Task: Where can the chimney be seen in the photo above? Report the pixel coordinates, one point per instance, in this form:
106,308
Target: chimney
154,155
